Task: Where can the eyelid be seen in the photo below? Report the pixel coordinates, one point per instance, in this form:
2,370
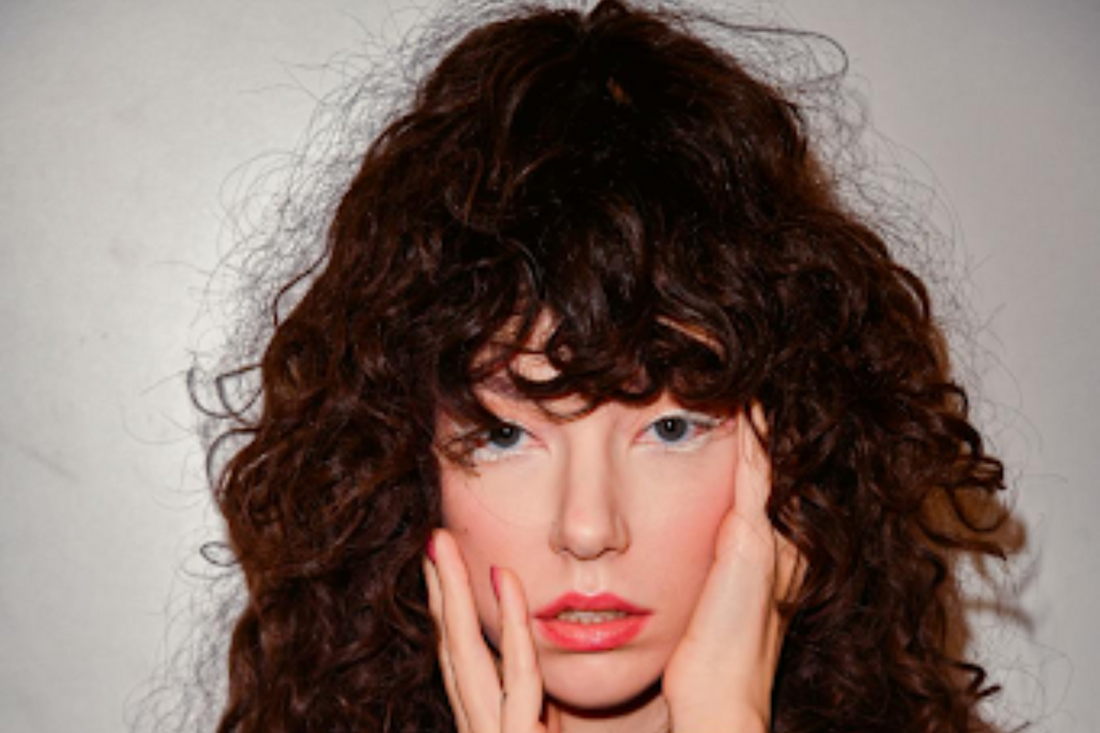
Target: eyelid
485,452
702,424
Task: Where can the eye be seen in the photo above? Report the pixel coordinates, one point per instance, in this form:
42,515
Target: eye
671,429
499,441
680,429
504,436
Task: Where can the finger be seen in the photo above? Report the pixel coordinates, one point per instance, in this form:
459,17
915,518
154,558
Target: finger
475,674
522,703
740,579
723,670
724,667
446,666
747,531
760,541
743,575
753,467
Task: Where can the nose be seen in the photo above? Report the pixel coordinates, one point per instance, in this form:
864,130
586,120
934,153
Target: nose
589,522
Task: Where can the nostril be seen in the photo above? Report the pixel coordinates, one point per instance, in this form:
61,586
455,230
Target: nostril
590,538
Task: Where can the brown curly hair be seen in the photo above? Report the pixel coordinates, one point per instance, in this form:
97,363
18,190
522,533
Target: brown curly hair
671,211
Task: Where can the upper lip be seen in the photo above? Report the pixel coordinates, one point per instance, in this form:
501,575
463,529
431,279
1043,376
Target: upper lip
578,602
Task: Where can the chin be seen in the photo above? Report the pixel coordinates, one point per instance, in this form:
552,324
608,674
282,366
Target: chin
597,682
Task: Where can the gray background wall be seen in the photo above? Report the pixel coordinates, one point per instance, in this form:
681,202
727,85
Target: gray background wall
119,123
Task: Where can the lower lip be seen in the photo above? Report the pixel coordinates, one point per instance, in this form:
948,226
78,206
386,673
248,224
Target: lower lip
601,637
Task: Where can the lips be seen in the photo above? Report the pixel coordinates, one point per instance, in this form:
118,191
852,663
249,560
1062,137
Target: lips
597,623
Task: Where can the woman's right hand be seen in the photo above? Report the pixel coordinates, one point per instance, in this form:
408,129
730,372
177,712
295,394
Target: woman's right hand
486,696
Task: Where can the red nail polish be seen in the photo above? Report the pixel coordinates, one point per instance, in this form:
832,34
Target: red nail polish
494,576
430,549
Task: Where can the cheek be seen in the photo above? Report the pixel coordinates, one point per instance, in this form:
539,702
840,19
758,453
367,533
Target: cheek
686,497
682,515
482,538
683,548
478,536
478,527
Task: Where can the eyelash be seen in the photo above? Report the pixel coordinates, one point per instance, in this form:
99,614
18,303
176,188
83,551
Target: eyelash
695,425
486,452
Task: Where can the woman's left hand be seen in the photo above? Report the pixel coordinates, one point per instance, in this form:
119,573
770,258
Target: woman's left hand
720,677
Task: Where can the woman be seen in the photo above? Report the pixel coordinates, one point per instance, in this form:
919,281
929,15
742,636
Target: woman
595,333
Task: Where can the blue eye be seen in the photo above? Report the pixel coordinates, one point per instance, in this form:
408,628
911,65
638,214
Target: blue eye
504,436
499,441
681,429
671,429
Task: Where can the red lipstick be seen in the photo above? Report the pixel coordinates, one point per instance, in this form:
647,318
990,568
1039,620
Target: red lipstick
597,623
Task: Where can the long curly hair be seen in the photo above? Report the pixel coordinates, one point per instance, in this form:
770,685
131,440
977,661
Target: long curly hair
671,212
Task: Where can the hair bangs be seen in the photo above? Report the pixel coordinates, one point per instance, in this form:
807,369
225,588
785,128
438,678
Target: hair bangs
611,304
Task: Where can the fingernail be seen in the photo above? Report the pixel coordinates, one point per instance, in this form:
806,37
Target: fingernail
494,576
430,549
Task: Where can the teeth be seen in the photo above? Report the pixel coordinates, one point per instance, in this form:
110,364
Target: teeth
590,617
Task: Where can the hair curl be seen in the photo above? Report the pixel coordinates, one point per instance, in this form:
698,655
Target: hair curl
669,210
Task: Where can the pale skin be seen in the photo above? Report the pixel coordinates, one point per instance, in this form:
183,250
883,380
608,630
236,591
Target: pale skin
705,560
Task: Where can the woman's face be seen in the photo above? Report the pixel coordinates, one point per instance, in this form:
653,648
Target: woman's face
609,521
